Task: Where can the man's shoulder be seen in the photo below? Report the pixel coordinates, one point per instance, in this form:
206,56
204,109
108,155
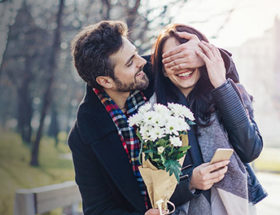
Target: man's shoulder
93,121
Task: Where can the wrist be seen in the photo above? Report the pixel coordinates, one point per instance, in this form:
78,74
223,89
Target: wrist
191,187
219,83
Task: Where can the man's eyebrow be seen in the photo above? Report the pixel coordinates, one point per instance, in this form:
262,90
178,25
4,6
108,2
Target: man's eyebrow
127,62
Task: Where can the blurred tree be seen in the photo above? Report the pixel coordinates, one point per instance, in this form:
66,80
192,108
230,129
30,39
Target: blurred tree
8,12
23,54
48,93
54,125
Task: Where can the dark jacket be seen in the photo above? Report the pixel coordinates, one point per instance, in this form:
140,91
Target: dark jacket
103,172
234,106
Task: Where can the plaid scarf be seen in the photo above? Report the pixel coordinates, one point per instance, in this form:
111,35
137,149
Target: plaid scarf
127,134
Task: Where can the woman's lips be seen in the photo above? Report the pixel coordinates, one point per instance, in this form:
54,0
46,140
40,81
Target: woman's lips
186,74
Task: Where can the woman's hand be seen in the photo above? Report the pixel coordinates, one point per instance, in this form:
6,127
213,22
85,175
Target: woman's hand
184,55
214,63
206,174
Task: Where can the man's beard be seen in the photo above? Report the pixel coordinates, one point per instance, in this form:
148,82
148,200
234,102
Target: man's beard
135,85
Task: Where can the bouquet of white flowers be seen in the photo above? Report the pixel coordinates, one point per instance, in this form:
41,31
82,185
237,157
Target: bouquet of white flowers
164,143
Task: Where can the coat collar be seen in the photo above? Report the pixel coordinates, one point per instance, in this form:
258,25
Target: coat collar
98,130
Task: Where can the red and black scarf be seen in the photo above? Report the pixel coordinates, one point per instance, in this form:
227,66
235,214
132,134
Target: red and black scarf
127,134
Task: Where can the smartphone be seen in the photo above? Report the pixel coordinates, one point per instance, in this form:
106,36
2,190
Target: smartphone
221,154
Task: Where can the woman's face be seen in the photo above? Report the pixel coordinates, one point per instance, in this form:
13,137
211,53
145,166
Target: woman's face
184,79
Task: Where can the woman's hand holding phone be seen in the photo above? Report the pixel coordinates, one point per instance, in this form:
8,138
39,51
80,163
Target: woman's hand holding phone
207,174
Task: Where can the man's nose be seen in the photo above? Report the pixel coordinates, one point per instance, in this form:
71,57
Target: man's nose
141,61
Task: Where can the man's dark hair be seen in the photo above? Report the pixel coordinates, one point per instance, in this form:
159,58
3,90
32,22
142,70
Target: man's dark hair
92,47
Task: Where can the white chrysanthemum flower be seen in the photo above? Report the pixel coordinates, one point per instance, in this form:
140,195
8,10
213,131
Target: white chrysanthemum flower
145,108
181,124
148,118
180,110
145,132
175,141
135,119
160,150
158,119
161,109
174,125
158,131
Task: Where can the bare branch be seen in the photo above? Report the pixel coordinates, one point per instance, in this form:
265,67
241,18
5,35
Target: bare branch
227,19
132,14
106,10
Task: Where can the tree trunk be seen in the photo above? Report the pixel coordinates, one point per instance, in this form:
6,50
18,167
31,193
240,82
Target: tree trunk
8,13
48,91
106,9
25,110
54,125
2,65
132,14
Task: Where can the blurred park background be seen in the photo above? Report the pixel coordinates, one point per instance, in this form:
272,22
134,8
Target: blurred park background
40,90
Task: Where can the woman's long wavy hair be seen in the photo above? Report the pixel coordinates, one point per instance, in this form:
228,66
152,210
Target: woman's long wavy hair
199,100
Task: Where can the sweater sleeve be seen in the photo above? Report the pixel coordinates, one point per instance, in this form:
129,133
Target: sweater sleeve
238,120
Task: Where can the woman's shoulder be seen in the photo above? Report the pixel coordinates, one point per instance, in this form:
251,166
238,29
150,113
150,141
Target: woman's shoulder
245,97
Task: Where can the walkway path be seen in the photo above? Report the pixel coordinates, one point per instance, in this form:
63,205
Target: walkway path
270,205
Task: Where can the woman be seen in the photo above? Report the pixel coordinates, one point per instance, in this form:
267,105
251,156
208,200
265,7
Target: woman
224,119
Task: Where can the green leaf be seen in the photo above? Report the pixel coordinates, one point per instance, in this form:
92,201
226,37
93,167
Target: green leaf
173,167
162,142
139,135
141,147
162,159
190,122
184,148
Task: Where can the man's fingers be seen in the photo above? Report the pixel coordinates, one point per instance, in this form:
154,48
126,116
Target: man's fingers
174,51
173,57
175,62
187,35
180,67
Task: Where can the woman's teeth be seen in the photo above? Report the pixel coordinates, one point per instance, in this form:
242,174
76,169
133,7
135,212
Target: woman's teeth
185,74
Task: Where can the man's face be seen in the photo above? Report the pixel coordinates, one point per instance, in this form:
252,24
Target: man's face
128,70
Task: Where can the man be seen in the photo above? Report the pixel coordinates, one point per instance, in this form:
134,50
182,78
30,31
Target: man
108,179
104,147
